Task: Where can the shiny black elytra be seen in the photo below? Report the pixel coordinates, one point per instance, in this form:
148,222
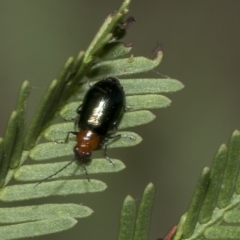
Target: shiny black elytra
100,113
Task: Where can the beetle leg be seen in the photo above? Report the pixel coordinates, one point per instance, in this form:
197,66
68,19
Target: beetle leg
105,144
67,137
76,123
106,156
112,137
74,133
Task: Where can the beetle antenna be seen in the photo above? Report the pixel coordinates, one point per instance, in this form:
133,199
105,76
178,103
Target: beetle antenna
85,169
45,179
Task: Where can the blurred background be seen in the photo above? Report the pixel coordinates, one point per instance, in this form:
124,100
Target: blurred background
201,45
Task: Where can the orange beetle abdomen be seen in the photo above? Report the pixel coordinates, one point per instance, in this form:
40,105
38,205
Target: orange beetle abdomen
87,141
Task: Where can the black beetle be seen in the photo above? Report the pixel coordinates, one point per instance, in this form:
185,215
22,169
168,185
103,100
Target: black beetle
100,113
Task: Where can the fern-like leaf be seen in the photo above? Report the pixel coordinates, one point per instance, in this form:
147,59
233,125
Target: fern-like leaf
39,141
134,227
214,206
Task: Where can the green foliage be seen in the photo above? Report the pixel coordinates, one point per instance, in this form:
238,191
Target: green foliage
142,94
214,207
213,212
136,229
36,228
126,229
144,213
39,212
37,172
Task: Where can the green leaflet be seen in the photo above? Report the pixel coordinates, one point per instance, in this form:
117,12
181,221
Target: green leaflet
37,172
127,220
46,189
37,228
136,229
21,110
7,146
41,212
114,50
144,213
216,198
124,66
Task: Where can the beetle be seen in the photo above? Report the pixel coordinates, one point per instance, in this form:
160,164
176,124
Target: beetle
99,114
